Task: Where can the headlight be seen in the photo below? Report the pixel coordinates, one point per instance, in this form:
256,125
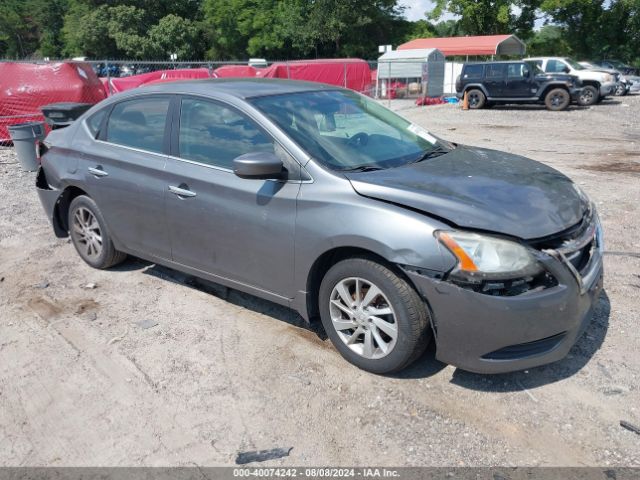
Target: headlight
608,77
482,257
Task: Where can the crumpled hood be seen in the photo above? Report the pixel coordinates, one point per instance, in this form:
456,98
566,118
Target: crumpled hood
481,189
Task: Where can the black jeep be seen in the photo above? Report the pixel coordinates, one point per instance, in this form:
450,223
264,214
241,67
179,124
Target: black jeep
491,83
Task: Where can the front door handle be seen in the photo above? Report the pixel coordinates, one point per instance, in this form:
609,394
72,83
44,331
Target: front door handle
97,171
181,192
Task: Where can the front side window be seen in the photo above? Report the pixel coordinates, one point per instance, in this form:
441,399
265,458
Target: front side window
575,65
139,123
213,134
556,66
346,131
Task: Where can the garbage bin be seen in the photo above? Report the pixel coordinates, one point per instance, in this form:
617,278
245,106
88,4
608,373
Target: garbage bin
63,114
24,137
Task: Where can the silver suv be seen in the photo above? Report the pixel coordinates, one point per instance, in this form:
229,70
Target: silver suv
595,85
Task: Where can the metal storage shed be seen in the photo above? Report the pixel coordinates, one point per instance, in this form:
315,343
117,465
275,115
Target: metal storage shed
424,67
470,46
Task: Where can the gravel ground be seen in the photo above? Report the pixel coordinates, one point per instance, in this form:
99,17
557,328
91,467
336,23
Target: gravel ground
82,384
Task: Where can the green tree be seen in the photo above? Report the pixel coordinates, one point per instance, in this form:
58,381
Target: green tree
581,22
490,17
174,34
549,41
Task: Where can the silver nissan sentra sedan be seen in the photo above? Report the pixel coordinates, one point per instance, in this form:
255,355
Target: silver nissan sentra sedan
320,199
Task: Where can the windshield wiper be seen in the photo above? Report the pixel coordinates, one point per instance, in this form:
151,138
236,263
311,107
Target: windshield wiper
436,152
362,168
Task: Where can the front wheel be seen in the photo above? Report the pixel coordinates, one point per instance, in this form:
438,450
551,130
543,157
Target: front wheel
621,90
557,99
588,96
374,318
90,236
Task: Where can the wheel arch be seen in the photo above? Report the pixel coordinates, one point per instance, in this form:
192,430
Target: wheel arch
328,259
592,83
476,86
552,86
61,210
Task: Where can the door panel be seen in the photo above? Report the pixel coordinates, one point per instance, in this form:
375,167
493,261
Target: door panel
494,79
131,196
127,183
519,81
240,229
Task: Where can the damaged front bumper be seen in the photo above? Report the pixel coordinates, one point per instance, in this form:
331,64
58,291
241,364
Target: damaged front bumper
495,334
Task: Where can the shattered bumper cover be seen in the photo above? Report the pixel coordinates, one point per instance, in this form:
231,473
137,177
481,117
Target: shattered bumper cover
496,334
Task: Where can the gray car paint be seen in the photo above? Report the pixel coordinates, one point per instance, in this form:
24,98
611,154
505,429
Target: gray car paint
482,189
265,236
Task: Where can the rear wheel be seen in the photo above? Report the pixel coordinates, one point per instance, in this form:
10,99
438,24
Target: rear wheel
557,99
476,98
588,96
90,236
373,317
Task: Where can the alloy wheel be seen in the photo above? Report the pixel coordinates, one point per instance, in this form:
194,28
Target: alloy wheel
363,317
87,232
586,97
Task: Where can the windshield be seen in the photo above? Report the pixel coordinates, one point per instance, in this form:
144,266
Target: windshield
346,131
575,65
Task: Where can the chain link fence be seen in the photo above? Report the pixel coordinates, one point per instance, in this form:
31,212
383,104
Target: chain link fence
25,86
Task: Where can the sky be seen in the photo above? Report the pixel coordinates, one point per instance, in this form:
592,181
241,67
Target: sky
415,9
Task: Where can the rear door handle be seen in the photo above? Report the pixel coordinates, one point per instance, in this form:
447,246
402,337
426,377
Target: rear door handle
97,172
181,192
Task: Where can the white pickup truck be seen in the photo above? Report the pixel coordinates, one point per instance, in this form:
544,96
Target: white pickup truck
595,85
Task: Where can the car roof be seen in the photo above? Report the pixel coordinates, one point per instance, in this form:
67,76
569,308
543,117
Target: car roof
494,61
238,87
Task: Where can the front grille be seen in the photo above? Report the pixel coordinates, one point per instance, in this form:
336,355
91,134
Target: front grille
578,247
524,350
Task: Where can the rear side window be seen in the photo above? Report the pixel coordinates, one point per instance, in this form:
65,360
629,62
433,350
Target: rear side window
213,134
473,71
517,70
495,71
139,123
95,121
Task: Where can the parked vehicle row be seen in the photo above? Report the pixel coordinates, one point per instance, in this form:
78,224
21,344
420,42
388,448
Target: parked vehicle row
555,82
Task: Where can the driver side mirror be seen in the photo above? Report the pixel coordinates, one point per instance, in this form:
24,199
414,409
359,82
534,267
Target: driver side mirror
566,69
259,165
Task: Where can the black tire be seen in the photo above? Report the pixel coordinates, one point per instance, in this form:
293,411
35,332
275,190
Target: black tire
476,99
410,315
557,99
98,254
621,90
589,96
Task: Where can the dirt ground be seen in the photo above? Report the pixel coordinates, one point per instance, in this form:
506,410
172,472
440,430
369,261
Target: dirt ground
81,383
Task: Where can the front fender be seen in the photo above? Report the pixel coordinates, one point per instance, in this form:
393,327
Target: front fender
397,234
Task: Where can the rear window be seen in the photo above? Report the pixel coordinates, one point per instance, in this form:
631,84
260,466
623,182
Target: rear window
473,71
139,123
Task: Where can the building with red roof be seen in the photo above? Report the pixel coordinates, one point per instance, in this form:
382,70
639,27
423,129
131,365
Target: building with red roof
470,46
